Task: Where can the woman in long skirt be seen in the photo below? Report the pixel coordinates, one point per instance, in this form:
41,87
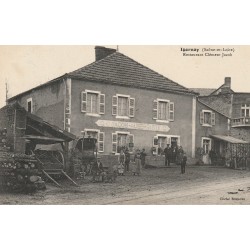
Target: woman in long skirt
137,167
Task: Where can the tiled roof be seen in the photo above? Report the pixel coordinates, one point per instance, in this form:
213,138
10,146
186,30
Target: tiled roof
220,103
203,91
122,70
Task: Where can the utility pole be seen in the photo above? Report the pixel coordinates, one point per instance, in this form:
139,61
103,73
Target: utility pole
6,90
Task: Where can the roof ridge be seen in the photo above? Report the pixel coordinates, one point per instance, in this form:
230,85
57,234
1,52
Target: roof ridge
94,63
212,108
164,77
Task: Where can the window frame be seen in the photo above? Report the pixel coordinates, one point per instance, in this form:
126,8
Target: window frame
245,108
167,110
130,109
212,118
84,132
123,133
170,110
202,143
98,93
29,100
168,141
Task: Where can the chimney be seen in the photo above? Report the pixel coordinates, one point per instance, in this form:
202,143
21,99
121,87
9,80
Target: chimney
226,88
102,52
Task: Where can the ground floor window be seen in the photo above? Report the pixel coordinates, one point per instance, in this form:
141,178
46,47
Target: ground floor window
122,140
160,143
206,145
98,135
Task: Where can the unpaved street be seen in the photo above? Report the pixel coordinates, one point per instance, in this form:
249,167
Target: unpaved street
200,185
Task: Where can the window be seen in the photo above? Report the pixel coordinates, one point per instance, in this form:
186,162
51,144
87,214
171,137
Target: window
160,142
123,106
99,136
207,118
163,110
29,105
245,110
92,102
206,144
122,140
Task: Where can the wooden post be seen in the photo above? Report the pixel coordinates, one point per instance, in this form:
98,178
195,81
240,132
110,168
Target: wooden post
47,175
70,179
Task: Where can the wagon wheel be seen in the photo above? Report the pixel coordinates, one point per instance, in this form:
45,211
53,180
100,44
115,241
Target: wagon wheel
59,157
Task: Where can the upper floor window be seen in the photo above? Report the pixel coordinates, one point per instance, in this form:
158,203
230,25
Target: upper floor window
245,110
207,118
92,102
29,105
123,106
163,110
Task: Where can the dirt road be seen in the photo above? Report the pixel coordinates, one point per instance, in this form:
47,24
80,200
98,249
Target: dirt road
200,185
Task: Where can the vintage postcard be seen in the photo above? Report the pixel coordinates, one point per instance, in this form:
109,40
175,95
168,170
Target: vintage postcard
125,125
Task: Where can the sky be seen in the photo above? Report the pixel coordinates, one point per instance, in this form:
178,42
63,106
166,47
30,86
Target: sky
25,67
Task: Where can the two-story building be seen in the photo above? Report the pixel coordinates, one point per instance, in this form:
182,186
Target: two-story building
120,102
235,126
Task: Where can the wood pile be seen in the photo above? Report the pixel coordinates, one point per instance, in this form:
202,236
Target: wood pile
17,171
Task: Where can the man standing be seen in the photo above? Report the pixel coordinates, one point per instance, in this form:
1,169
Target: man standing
183,163
167,152
127,160
143,158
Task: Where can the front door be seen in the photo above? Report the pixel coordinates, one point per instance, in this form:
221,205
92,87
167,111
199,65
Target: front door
121,142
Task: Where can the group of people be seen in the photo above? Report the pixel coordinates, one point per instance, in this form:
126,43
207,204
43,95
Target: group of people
176,155
124,161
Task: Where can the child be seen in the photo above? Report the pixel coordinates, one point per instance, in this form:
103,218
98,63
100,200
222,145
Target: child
120,169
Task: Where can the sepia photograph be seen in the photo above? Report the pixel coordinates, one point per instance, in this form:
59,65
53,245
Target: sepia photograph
125,125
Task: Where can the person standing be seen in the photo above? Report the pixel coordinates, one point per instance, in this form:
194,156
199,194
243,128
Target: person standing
179,155
167,152
174,153
137,159
121,163
127,160
183,163
143,158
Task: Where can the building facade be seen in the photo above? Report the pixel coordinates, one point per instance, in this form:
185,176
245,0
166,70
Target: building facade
120,102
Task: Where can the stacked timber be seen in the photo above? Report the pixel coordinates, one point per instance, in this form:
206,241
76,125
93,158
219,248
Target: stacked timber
17,171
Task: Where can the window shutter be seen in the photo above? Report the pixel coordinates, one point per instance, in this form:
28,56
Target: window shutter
155,110
131,107
114,105
213,119
102,104
155,145
101,142
83,102
171,111
201,117
114,142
